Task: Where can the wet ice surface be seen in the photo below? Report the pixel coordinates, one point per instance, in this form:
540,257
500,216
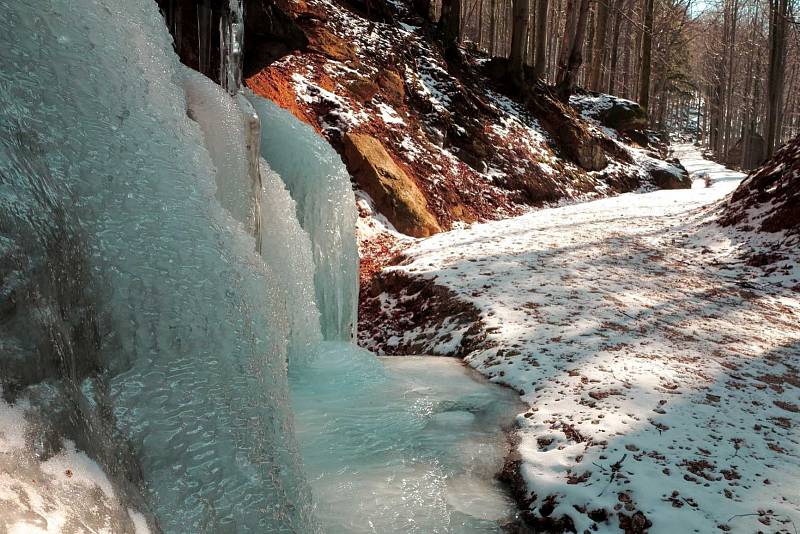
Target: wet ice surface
407,444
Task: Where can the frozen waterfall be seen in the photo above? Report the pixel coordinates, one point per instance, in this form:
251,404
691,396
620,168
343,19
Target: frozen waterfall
171,331
175,309
320,185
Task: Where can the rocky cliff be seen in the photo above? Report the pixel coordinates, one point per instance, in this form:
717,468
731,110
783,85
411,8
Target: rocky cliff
431,139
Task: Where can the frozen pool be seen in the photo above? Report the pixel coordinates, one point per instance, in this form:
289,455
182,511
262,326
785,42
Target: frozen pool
402,444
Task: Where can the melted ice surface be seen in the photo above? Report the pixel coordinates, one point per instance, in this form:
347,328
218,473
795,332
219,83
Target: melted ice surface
402,445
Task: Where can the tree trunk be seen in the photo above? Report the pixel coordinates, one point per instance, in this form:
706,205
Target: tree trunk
729,82
637,64
647,42
568,36
530,50
552,41
480,24
779,12
748,127
424,8
589,44
539,63
519,39
571,55
493,29
450,23
626,61
619,8
599,46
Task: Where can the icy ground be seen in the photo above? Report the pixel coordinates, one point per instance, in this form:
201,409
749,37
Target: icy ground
660,369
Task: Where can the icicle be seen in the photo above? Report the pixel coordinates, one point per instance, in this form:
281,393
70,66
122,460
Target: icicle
231,47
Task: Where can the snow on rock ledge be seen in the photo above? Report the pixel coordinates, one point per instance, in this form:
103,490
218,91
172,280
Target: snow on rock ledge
769,199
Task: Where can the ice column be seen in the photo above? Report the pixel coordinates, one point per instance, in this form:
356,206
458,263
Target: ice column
320,185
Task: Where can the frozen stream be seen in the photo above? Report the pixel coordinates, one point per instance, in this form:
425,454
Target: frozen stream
402,444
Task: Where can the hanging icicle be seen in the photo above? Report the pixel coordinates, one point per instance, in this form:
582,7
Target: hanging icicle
231,46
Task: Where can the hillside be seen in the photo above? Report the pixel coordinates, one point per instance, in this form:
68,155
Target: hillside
769,199
432,140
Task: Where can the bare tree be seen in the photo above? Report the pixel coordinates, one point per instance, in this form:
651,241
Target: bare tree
779,14
647,43
519,39
450,23
598,57
571,53
539,63
618,10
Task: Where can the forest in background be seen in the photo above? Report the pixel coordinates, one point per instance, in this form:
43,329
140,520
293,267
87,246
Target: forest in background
723,72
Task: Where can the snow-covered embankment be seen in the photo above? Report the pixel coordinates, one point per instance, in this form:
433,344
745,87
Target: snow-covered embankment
660,369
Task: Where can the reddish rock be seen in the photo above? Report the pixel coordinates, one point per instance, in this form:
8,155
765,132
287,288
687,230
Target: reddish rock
394,90
395,194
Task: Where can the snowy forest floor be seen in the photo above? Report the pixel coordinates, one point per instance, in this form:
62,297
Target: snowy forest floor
661,369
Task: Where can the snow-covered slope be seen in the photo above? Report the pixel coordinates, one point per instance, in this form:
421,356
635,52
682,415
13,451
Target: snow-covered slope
476,150
660,368
768,201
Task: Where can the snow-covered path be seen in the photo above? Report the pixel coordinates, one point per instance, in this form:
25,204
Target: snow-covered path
661,371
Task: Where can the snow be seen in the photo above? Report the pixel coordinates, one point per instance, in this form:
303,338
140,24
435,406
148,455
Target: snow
66,491
310,93
388,114
660,370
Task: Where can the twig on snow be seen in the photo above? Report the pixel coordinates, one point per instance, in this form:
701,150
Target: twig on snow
614,470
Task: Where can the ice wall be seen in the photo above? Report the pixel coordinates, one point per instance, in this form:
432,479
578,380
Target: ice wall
226,130
191,323
320,185
256,196
286,248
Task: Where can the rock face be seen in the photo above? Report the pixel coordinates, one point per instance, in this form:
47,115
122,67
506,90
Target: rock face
617,113
624,116
573,137
269,35
395,194
756,155
674,177
475,147
269,32
186,20
769,199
